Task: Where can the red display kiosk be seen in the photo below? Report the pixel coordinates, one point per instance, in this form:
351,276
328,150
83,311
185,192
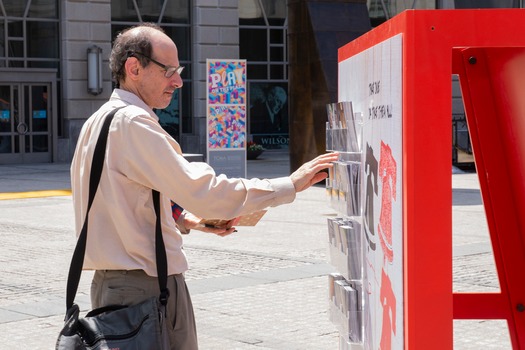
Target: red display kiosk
408,109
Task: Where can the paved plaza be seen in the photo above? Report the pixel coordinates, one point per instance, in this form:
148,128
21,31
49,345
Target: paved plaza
264,287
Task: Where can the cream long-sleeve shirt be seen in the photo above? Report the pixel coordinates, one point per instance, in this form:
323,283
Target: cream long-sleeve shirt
141,156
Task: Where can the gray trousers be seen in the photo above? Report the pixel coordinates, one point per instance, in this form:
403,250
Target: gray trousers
120,287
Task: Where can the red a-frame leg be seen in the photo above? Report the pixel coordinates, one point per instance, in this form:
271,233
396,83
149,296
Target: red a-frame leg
493,87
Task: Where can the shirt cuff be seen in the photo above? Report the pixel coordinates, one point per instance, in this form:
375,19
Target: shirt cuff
285,189
180,224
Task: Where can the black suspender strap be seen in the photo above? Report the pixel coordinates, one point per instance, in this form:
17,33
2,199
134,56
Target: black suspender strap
77,261
160,253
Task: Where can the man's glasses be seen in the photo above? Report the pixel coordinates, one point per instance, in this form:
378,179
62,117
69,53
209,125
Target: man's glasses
168,70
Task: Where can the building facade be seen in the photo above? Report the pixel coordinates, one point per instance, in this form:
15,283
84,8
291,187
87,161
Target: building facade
49,83
54,65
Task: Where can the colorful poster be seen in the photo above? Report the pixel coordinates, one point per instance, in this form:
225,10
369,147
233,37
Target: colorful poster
372,80
227,127
226,116
227,82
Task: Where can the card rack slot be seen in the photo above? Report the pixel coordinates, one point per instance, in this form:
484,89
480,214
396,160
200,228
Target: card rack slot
344,189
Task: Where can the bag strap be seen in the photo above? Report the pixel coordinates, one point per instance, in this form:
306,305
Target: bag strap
77,261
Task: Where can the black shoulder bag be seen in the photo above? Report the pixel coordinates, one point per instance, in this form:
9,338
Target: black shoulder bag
134,327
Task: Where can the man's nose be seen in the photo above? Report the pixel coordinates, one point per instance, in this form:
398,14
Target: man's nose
177,81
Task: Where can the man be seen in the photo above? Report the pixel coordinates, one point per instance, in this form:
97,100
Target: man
141,156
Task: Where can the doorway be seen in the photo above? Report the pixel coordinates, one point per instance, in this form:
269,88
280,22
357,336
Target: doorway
27,122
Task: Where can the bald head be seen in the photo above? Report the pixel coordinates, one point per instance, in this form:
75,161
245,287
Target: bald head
145,62
142,38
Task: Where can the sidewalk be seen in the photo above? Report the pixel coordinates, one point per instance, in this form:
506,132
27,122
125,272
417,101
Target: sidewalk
55,176
264,287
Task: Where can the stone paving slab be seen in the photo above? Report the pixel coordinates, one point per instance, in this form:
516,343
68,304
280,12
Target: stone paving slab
33,177
276,316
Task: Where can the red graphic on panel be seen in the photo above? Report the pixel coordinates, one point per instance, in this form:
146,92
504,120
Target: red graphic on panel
387,175
388,301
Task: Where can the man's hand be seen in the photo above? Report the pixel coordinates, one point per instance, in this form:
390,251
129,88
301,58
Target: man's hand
194,222
309,173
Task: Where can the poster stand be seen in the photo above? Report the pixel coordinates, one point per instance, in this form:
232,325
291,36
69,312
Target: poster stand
226,116
480,47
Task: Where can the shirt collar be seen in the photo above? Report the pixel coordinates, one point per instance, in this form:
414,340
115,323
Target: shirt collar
131,99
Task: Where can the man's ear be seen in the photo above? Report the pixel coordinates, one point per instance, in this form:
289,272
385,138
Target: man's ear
132,67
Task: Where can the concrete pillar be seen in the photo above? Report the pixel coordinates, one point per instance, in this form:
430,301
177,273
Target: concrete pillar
84,23
216,36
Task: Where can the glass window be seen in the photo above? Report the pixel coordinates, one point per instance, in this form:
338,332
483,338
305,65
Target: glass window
123,10
39,111
40,143
262,42
15,29
250,12
277,72
42,39
186,107
262,38
381,10
150,10
276,53
14,8
257,72
275,11
43,9
470,4
15,48
5,144
116,29
32,39
16,64
253,44
169,117
43,64
27,143
174,17
181,38
2,42
276,36
177,11
5,108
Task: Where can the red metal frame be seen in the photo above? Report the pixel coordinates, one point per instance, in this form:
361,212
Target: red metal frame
491,81
430,38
